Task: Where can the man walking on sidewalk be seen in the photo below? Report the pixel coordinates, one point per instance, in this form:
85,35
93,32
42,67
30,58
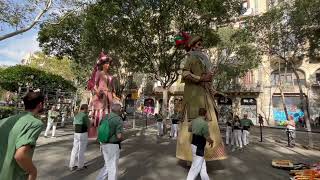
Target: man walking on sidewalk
159,120
18,136
81,124
175,118
200,135
111,149
52,122
246,124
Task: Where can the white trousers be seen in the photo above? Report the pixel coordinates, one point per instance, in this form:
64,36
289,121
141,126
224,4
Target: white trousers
54,127
174,130
80,142
238,137
62,120
229,135
160,128
111,153
245,137
198,166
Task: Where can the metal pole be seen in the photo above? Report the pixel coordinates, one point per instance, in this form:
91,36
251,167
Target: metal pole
288,138
260,132
146,120
134,120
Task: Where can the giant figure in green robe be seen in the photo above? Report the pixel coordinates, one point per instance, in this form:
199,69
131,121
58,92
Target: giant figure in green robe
197,75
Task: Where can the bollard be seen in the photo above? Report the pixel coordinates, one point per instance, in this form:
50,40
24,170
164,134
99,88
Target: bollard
260,132
288,137
146,121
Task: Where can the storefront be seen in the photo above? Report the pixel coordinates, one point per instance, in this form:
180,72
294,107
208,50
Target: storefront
225,107
293,105
249,107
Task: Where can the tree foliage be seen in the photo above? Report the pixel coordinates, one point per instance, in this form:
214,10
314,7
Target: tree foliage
139,33
50,64
17,76
17,17
235,56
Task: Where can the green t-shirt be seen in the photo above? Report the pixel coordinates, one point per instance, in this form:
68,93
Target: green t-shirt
81,118
246,122
200,127
15,132
116,126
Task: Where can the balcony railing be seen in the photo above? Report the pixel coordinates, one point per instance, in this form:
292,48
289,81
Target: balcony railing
254,87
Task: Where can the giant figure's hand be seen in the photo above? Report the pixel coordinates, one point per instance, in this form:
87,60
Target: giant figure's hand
206,77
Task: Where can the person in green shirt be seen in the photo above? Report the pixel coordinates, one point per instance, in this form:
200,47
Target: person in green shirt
111,150
81,124
18,136
200,135
246,124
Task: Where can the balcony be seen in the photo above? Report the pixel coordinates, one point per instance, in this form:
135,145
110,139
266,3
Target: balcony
174,90
239,88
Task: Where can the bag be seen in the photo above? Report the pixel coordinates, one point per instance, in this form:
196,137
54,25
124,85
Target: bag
104,133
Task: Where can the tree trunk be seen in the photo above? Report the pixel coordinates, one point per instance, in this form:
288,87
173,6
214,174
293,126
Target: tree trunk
165,102
282,95
304,108
283,101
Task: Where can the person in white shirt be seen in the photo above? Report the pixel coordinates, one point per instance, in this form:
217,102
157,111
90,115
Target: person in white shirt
291,131
52,122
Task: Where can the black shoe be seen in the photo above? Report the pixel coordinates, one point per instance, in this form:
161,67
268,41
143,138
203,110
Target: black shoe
74,168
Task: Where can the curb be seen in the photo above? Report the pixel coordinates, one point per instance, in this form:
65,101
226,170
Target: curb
282,128
297,145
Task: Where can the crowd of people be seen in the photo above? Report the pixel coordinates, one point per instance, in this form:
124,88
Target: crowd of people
19,133
238,131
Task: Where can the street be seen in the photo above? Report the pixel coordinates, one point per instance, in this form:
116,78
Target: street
144,156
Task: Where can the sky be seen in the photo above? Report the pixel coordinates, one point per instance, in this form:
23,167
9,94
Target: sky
14,49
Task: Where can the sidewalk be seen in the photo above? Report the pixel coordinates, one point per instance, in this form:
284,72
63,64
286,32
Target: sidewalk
144,156
279,135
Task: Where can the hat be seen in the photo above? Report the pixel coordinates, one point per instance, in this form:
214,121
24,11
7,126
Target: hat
194,40
104,58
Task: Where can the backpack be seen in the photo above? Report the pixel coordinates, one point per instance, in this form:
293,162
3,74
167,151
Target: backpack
104,131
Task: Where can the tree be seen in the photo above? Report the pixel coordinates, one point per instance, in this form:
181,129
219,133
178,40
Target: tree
21,16
141,32
235,54
50,64
289,34
17,76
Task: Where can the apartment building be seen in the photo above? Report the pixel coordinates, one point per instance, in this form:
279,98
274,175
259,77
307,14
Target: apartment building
258,91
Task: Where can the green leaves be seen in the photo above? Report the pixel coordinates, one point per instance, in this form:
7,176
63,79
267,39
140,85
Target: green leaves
17,76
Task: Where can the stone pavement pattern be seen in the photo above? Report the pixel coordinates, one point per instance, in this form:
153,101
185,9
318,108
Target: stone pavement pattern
144,156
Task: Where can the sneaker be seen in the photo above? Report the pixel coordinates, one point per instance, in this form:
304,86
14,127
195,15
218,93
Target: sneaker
73,168
233,149
84,167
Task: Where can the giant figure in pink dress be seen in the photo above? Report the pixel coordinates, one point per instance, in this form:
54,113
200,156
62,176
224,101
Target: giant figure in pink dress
102,87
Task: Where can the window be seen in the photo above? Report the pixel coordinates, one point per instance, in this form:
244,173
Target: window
318,77
244,7
288,78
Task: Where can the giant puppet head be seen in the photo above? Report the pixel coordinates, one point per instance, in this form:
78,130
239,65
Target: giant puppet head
103,61
184,40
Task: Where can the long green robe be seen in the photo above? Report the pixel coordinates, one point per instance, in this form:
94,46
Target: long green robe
198,95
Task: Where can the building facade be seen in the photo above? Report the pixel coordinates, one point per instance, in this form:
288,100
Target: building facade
258,91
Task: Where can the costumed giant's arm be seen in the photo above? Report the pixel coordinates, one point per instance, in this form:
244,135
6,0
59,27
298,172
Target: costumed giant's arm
188,76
